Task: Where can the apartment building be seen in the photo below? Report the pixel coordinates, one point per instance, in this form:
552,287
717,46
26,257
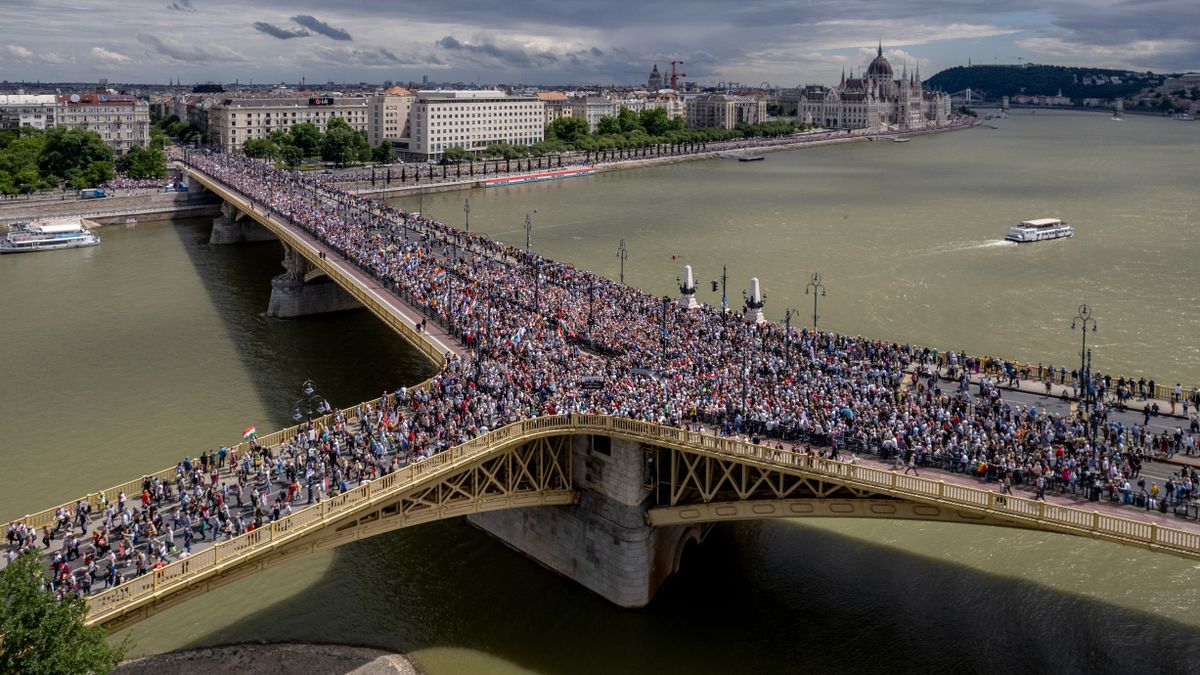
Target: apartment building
28,110
122,121
472,120
233,121
389,115
724,111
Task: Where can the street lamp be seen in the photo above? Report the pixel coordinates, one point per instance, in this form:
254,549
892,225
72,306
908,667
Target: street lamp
815,285
724,296
622,255
591,300
528,230
467,212
1081,320
310,403
666,304
787,335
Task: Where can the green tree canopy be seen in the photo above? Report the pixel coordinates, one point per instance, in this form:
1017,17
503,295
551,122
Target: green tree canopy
608,125
454,154
382,153
307,138
41,635
567,129
68,150
143,162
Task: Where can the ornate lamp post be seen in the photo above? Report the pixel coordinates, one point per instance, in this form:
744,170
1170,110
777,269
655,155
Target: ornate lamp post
467,213
622,255
1081,320
528,230
310,403
815,286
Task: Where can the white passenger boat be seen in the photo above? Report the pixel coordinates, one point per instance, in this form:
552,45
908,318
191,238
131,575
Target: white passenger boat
1041,229
23,237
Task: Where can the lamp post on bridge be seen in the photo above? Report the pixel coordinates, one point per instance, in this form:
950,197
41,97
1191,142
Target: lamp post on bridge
1081,320
467,213
311,403
591,301
528,230
724,295
666,305
815,286
787,336
622,255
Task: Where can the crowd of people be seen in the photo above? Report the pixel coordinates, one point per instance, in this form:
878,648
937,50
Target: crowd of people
541,337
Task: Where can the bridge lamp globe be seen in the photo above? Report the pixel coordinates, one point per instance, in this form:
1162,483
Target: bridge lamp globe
308,389
296,416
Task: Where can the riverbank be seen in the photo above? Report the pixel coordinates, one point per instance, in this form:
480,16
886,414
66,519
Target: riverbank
157,206
805,141
268,659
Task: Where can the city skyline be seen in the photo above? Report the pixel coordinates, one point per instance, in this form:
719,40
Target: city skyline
783,43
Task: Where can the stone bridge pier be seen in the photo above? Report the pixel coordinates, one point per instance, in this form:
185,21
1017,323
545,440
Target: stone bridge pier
605,541
233,227
304,289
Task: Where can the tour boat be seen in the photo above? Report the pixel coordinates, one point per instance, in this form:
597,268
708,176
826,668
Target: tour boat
1041,229
1184,117
750,158
22,237
899,140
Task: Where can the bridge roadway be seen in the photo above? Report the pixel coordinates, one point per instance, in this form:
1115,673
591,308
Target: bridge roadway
701,478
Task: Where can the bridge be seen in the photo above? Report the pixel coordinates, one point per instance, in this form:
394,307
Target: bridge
617,499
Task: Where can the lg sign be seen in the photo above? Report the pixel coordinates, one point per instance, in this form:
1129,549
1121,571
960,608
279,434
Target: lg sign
320,101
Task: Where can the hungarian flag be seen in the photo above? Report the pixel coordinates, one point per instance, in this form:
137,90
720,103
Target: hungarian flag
250,432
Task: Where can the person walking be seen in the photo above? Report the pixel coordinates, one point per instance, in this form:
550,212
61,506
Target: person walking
912,464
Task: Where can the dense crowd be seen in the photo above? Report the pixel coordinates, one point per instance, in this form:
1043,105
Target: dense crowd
542,337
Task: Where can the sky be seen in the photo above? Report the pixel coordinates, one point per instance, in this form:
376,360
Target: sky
781,42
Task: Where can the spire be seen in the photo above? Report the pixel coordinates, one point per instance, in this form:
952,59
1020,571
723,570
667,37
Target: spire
879,52
843,76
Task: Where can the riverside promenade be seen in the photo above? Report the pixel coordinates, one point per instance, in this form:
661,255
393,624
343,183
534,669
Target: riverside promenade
545,341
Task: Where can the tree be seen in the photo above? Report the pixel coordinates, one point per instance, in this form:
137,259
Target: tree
655,121
382,153
291,155
68,150
93,174
261,148
307,137
454,154
608,125
41,634
567,129
143,162
629,121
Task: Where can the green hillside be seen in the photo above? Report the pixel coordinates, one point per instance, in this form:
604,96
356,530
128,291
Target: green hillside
1039,80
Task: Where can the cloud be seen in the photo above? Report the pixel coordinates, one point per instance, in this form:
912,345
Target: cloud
182,6
19,52
190,52
277,32
514,56
318,26
366,58
108,56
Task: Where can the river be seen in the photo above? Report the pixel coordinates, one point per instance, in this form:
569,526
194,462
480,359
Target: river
124,356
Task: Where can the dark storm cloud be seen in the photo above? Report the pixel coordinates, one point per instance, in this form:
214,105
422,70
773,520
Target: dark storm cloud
516,57
317,26
277,32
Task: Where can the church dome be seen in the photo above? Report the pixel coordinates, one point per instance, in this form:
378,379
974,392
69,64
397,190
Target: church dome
880,69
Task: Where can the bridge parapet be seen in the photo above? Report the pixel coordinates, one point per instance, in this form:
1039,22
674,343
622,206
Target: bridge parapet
874,483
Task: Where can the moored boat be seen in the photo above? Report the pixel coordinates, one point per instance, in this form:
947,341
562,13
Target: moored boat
25,237
1040,229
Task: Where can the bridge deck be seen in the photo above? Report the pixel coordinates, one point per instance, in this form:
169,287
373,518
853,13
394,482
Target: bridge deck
1101,520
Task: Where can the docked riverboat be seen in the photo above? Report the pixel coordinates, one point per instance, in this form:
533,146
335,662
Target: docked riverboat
25,237
1041,229
750,158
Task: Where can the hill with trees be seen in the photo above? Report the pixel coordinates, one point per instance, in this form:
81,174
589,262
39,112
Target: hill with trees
1042,80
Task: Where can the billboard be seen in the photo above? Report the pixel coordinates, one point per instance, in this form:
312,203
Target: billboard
324,100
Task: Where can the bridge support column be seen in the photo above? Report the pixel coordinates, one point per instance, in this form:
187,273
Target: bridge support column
232,227
303,290
605,542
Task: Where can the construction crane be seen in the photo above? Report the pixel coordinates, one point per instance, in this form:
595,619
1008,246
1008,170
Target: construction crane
676,75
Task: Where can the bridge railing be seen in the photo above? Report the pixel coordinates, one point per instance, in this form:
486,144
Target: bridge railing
133,488
305,521
305,243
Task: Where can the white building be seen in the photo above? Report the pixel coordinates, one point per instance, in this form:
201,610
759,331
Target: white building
389,115
28,110
122,121
473,120
724,111
876,100
233,121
